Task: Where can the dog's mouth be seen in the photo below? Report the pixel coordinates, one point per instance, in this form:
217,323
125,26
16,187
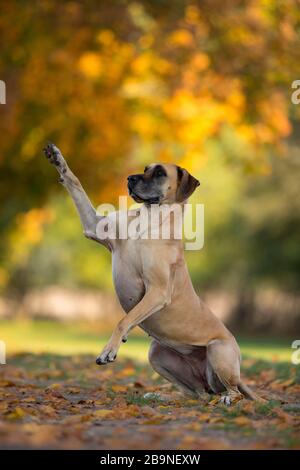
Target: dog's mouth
137,198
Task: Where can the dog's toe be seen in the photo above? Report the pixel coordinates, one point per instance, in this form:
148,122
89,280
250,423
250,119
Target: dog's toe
99,362
106,358
226,400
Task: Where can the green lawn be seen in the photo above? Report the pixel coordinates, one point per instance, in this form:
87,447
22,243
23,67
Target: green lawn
74,338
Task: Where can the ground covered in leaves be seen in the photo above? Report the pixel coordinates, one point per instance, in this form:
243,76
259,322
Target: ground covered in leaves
49,401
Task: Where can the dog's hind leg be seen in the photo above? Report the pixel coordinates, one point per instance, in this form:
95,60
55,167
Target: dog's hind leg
186,372
223,356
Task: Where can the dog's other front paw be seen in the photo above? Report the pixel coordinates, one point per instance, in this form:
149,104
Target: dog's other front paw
108,355
55,157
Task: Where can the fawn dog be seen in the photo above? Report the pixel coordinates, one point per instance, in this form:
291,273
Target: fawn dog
191,347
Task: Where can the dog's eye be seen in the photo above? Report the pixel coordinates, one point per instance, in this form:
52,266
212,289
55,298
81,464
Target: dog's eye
160,172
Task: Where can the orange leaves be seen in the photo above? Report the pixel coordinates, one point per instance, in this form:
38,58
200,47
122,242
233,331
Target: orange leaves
132,408
90,64
119,388
102,413
181,37
126,77
242,421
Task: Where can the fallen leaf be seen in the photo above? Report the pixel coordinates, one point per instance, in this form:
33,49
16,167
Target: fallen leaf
242,421
119,388
102,413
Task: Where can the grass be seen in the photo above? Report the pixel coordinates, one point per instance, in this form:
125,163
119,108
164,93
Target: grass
42,336
54,396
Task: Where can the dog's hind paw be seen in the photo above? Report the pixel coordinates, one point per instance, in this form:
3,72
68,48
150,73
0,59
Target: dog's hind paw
226,400
230,399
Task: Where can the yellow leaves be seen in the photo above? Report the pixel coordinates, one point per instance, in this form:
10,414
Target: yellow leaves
205,417
216,419
32,143
132,410
121,411
274,114
18,413
28,231
150,89
68,415
101,402
192,401
102,413
153,415
200,61
287,383
3,407
106,37
194,427
192,14
55,390
30,224
47,410
249,407
236,100
148,63
143,124
90,64
54,386
142,63
119,388
140,17
146,41
242,421
6,383
199,116
152,421
183,105
181,38
127,371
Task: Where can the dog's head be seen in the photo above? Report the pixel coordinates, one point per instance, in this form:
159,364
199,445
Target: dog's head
162,183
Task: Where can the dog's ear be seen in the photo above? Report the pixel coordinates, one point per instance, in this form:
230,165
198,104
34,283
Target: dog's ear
186,184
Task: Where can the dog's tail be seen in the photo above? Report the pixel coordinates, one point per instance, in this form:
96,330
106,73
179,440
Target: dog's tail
248,393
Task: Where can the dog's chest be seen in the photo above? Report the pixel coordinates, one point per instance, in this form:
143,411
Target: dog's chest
127,280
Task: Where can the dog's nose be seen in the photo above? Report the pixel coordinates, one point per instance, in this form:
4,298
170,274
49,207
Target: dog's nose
133,178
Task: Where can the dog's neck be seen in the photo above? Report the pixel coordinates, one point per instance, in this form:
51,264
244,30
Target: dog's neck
162,220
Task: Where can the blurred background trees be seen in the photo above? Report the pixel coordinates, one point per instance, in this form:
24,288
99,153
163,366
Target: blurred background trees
116,85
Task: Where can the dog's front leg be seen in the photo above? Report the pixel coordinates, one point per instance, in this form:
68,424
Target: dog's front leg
88,215
154,300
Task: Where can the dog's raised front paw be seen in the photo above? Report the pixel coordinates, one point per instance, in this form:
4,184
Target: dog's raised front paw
55,157
108,355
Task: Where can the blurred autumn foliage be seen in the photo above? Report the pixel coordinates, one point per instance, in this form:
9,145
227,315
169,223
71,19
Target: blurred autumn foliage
205,84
